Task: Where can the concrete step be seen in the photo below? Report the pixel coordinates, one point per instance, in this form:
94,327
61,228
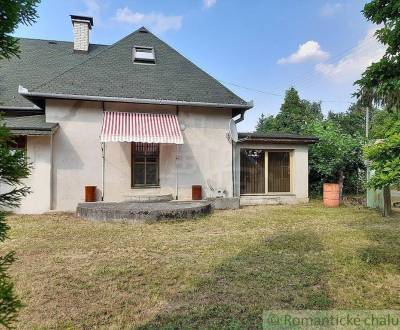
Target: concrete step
148,198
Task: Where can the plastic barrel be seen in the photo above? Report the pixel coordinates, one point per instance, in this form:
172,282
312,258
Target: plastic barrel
331,195
197,193
90,194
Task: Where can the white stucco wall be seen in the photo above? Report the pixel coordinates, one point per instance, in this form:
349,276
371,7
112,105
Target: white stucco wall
298,167
205,156
39,155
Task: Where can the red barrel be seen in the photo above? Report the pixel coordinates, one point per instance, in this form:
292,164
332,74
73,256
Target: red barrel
196,193
90,194
331,195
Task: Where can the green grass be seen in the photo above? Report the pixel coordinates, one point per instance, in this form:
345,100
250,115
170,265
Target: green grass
220,271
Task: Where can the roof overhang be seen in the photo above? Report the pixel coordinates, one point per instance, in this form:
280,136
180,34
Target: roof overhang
38,98
277,139
26,131
30,125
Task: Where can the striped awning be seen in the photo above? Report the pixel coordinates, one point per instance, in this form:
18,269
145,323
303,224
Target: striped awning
140,127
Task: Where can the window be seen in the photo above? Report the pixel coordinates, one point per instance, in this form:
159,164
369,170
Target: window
145,165
252,171
278,171
144,55
18,143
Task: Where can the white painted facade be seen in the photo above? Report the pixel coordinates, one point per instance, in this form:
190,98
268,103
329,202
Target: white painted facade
205,157
298,175
72,158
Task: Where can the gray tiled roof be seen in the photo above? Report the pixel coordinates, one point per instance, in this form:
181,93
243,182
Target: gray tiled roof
40,61
29,125
112,73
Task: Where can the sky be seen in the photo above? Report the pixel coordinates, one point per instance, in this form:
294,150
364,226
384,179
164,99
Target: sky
257,48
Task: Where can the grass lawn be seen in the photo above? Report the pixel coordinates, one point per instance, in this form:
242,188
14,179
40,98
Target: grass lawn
220,271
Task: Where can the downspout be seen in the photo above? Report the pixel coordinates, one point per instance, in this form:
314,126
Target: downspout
176,162
241,118
51,173
103,161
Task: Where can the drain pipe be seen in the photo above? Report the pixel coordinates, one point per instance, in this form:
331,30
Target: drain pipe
103,156
241,118
103,161
176,162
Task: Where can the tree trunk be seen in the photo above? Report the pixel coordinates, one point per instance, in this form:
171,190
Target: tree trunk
341,181
387,202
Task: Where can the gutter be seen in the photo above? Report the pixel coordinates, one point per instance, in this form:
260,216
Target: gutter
18,108
279,141
31,95
241,118
38,129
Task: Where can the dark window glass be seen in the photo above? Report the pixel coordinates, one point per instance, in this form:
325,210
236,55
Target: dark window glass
252,171
278,172
17,142
145,164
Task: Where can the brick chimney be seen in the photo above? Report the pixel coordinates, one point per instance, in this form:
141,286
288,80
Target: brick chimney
81,26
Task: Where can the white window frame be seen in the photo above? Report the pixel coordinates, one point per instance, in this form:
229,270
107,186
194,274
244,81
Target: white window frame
143,60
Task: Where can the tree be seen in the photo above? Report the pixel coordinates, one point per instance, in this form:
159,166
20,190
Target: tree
336,157
380,83
353,120
13,163
340,135
294,115
384,154
266,124
13,13
13,169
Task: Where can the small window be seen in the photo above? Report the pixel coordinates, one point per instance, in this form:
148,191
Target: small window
17,143
145,165
143,55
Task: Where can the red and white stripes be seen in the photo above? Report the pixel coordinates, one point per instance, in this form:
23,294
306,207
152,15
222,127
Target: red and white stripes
140,127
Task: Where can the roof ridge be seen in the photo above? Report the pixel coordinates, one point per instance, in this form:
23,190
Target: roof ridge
88,59
48,40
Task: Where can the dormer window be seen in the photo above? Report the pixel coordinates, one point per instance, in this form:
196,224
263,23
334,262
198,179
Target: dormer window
144,55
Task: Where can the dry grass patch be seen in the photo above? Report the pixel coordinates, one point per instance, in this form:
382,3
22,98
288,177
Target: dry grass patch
220,271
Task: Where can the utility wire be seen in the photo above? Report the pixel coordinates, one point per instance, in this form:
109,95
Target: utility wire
308,75
335,58
276,94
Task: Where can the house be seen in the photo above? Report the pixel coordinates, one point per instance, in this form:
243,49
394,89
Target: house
137,118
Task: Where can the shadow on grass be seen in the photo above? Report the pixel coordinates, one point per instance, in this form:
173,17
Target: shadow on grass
281,272
385,244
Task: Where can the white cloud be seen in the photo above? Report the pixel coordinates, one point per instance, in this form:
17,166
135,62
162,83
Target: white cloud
93,9
209,3
157,21
311,50
350,67
331,9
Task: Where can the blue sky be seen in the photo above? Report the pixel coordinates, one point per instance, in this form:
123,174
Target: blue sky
320,47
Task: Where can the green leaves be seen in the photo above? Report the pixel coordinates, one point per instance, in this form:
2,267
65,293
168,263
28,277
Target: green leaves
12,13
294,115
335,152
380,83
13,169
9,303
384,157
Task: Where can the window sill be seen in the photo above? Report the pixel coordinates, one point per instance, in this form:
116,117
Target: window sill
271,194
145,187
